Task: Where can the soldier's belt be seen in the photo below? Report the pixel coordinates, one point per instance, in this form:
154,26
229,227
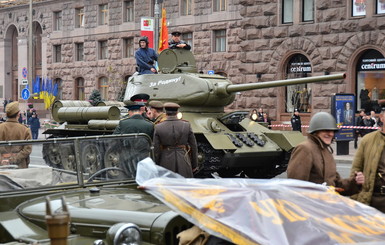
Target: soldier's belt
166,147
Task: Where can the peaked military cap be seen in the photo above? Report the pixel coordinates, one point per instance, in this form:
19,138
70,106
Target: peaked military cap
132,106
140,99
12,108
176,33
171,106
156,104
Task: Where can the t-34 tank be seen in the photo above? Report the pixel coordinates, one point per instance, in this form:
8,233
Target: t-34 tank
229,143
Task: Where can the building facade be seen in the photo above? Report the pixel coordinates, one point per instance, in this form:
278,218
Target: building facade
85,45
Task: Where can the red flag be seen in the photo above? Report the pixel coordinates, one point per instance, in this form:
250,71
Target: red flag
163,34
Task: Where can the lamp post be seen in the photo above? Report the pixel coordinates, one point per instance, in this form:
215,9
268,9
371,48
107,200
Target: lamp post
30,47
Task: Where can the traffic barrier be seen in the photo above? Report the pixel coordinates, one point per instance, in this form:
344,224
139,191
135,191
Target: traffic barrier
306,126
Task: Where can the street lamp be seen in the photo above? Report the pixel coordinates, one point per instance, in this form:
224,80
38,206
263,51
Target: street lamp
30,47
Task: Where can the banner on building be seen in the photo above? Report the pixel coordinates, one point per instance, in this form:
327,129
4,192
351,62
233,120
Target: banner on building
147,29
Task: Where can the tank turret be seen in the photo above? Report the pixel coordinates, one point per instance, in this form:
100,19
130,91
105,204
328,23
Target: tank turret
180,83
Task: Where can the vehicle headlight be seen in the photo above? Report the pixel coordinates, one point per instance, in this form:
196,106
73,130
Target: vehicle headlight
179,115
124,234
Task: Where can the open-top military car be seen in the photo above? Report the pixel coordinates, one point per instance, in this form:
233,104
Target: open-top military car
103,202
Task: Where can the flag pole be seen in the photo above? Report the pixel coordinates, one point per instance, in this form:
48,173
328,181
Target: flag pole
156,31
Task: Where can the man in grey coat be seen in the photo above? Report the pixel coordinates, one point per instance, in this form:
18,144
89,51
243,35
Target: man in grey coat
175,145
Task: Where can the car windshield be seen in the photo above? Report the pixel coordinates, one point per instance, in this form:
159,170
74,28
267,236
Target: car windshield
69,162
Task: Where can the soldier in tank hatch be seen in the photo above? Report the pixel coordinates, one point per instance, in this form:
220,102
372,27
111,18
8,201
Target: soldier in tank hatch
176,42
145,57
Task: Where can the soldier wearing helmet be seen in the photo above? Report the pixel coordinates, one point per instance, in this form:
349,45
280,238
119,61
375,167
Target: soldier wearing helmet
145,57
313,161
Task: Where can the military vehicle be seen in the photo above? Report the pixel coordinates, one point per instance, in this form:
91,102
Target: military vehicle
229,143
102,206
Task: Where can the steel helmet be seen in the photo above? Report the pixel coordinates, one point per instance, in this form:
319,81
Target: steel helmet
322,121
144,38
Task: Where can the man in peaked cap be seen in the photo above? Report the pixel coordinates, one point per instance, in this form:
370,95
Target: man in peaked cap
176,42
175,146
11,129
156,111
135,123
296,121
141,99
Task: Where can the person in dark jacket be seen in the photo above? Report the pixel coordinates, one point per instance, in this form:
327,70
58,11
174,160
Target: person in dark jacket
296,121
313,160
34,125
136,150
175,146
176,42
359,122
145,57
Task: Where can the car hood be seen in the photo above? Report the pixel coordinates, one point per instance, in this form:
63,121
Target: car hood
105,206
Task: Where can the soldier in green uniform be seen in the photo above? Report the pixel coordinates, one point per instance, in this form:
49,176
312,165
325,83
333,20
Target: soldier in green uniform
175,146
134,151
13,130
157,111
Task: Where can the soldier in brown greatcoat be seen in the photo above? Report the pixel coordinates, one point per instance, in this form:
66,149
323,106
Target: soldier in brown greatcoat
13,130
175,145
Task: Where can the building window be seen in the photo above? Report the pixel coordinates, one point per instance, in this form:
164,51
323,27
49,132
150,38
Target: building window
307,10
358,7
103,50
79,85
188,38
371,81
79,17
79,51
103,14
57,21
220,41
298,96
380,7
58,88
56,53
219,5
287,11
129,11
185,7
128,47
103,87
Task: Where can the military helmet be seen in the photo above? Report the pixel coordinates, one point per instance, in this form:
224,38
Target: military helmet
144,38
322,121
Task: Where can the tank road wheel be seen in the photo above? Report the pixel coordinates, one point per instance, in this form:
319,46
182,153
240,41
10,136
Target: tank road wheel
51,155
112,159
91,158
59,156
102,174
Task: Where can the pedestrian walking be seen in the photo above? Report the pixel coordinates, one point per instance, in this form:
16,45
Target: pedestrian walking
11,129
296,121
34,125
313,160
370,158
175,146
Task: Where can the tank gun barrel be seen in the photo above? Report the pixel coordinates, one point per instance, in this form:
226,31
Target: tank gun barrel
232,88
